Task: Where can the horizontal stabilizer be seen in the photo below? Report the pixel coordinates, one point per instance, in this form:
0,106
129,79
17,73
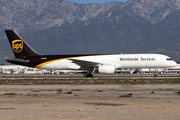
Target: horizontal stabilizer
16,60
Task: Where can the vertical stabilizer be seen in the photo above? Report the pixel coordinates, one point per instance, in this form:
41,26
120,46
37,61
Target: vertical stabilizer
20,48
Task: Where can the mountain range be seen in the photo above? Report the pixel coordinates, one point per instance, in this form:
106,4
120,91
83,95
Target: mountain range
64,27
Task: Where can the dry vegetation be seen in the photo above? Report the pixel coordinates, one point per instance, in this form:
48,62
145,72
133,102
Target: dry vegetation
54,97
79,80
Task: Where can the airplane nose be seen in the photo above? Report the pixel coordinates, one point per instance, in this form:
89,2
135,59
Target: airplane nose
174,63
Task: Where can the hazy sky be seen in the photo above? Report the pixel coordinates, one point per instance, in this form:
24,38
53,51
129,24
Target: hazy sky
96,1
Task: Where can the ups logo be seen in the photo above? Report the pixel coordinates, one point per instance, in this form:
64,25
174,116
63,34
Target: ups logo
17,45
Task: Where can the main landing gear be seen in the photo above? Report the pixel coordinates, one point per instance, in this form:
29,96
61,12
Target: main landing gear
89,73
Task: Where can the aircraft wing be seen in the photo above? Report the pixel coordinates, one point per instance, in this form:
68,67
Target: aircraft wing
84,64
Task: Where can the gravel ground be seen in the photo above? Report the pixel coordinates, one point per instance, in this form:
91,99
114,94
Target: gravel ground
96,102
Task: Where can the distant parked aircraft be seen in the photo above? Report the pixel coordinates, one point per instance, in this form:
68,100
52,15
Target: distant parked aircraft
100,63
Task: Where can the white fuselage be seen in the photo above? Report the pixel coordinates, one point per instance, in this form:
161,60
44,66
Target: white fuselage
118,60
26,56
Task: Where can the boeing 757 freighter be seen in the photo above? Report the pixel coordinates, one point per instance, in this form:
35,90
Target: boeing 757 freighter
99,63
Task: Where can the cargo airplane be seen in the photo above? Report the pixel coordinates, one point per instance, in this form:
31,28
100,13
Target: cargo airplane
99,63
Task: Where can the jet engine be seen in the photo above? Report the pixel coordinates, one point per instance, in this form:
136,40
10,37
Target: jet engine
108,69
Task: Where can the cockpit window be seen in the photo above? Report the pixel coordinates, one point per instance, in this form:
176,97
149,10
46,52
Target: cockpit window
168,59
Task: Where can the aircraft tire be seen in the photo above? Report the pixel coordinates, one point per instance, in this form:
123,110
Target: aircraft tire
88,75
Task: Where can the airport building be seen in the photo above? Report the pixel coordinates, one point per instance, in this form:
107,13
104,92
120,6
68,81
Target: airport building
17,69
175,70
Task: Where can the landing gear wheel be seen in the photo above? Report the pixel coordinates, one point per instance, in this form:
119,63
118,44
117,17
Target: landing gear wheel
88,75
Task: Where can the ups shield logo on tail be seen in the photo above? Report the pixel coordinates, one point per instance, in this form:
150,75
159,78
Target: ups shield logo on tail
17,45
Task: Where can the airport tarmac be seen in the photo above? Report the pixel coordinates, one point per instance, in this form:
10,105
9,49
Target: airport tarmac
95,102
